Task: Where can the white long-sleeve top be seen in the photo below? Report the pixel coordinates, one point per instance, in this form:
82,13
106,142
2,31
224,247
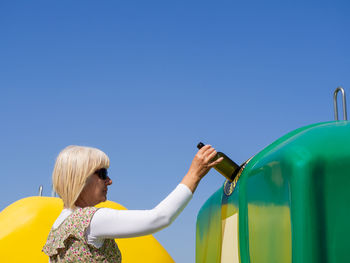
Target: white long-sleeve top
111,223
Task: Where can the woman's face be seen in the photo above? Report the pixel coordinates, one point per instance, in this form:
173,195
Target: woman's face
94,191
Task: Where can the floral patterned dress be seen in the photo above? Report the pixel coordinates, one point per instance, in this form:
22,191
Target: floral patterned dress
67,243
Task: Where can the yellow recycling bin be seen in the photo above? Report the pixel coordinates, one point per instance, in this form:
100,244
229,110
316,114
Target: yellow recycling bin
25,225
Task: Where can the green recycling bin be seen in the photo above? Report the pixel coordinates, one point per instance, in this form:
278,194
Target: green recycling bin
291,203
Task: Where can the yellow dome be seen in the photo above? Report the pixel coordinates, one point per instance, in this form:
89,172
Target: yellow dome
25,224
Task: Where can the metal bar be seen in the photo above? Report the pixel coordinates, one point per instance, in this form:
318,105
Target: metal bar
336,103
40,190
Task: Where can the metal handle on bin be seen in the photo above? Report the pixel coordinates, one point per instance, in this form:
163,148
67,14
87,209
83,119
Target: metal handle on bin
40,190
336,104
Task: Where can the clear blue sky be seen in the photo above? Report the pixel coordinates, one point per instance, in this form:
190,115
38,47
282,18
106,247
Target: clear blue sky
145,81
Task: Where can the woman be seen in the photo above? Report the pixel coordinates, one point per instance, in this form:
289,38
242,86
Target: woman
84,233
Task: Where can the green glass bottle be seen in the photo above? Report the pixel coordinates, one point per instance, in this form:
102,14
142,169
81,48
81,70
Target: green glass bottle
226,167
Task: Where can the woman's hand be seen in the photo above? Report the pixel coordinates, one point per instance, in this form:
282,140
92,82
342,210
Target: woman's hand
201,164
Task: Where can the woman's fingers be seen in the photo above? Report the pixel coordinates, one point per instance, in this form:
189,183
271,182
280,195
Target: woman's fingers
216,162
204,149
211,154
207,155
205,159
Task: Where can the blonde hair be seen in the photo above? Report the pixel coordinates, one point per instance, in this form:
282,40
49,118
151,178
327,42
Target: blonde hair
73,166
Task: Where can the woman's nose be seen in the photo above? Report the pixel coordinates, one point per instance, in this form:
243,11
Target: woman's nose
109,180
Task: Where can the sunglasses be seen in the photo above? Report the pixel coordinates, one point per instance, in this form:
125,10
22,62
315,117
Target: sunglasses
102,173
